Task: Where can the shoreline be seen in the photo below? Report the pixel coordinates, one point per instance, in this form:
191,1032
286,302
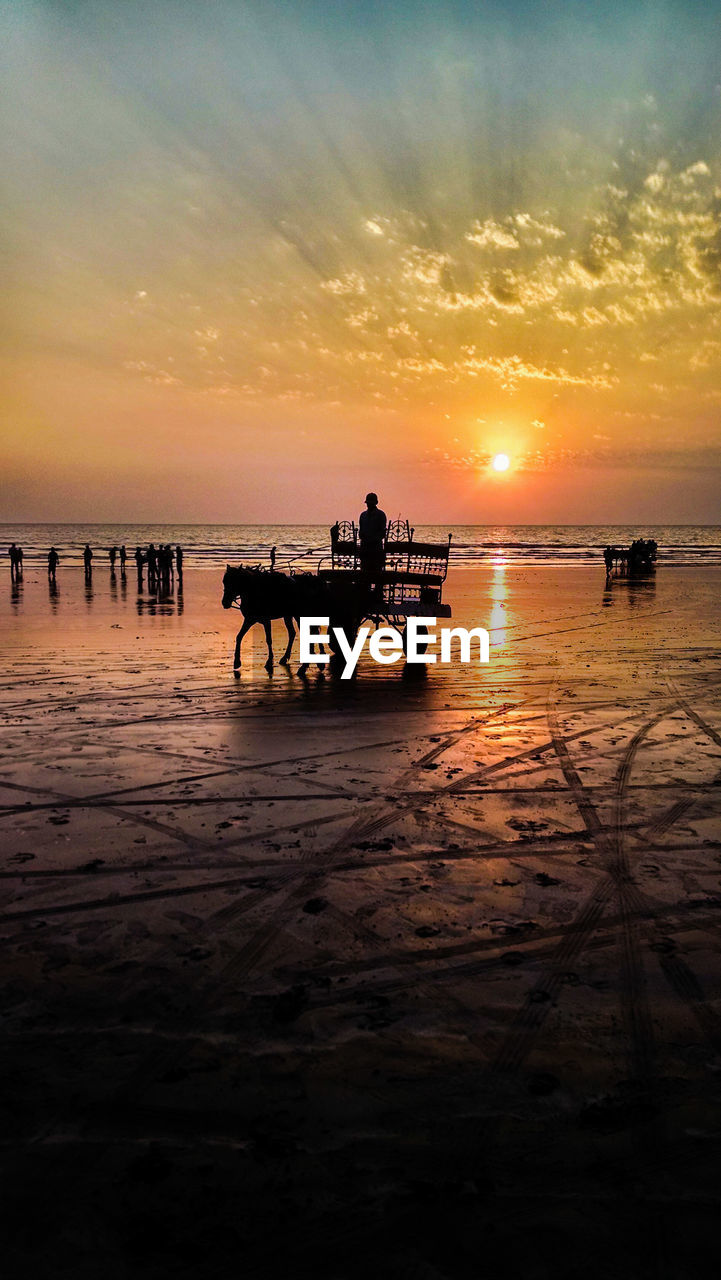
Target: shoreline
302,546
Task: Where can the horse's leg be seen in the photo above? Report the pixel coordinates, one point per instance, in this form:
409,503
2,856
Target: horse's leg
315,647
247,624
303,668
291,637
269,642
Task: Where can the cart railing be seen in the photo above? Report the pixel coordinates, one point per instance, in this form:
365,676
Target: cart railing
410,580
401,553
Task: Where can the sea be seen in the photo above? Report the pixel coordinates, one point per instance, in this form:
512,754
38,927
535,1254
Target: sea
304,546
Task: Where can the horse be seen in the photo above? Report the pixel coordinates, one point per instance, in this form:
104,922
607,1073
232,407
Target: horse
265,595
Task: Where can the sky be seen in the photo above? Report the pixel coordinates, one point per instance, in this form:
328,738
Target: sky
262,257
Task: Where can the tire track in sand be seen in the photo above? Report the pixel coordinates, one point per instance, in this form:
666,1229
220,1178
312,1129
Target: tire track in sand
522,1033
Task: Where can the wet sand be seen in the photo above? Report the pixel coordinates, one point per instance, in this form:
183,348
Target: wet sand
413,975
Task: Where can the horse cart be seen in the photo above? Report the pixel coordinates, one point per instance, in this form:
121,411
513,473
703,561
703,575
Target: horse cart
634,561
405,580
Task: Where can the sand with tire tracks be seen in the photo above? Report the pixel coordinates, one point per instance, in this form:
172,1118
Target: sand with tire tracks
412,974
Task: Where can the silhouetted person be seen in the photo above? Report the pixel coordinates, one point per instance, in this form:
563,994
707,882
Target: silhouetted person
123,558
272,557
152,565
164,566
608,559
372,526
88,560
139,562
53,559
179,561
13,553
112,553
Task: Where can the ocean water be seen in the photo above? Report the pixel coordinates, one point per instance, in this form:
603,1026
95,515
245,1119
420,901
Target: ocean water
211,546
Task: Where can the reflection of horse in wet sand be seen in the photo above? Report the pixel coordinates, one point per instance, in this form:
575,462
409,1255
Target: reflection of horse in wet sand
263,595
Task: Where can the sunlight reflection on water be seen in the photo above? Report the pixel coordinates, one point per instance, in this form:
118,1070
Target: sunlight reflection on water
498,593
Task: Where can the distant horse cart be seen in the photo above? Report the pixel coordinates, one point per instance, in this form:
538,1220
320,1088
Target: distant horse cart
631,561
406,580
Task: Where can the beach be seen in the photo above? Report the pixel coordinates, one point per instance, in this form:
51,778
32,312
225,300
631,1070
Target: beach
415,974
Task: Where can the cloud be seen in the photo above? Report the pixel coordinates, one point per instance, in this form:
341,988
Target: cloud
408,306
351,282
513,369
491,233
603,454
516,231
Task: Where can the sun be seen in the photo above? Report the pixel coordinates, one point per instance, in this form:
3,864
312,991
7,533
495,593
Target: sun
501,462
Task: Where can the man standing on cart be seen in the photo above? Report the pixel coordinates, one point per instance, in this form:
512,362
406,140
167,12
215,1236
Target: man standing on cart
372,529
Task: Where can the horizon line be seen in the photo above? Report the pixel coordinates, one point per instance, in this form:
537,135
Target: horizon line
306,524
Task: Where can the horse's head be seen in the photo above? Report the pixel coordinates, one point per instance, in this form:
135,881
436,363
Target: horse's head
243,577
233,580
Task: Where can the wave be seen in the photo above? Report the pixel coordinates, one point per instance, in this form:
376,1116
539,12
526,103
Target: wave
305,546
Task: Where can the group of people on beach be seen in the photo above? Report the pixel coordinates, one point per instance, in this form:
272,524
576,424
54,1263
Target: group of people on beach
114,553
163,563
16,562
